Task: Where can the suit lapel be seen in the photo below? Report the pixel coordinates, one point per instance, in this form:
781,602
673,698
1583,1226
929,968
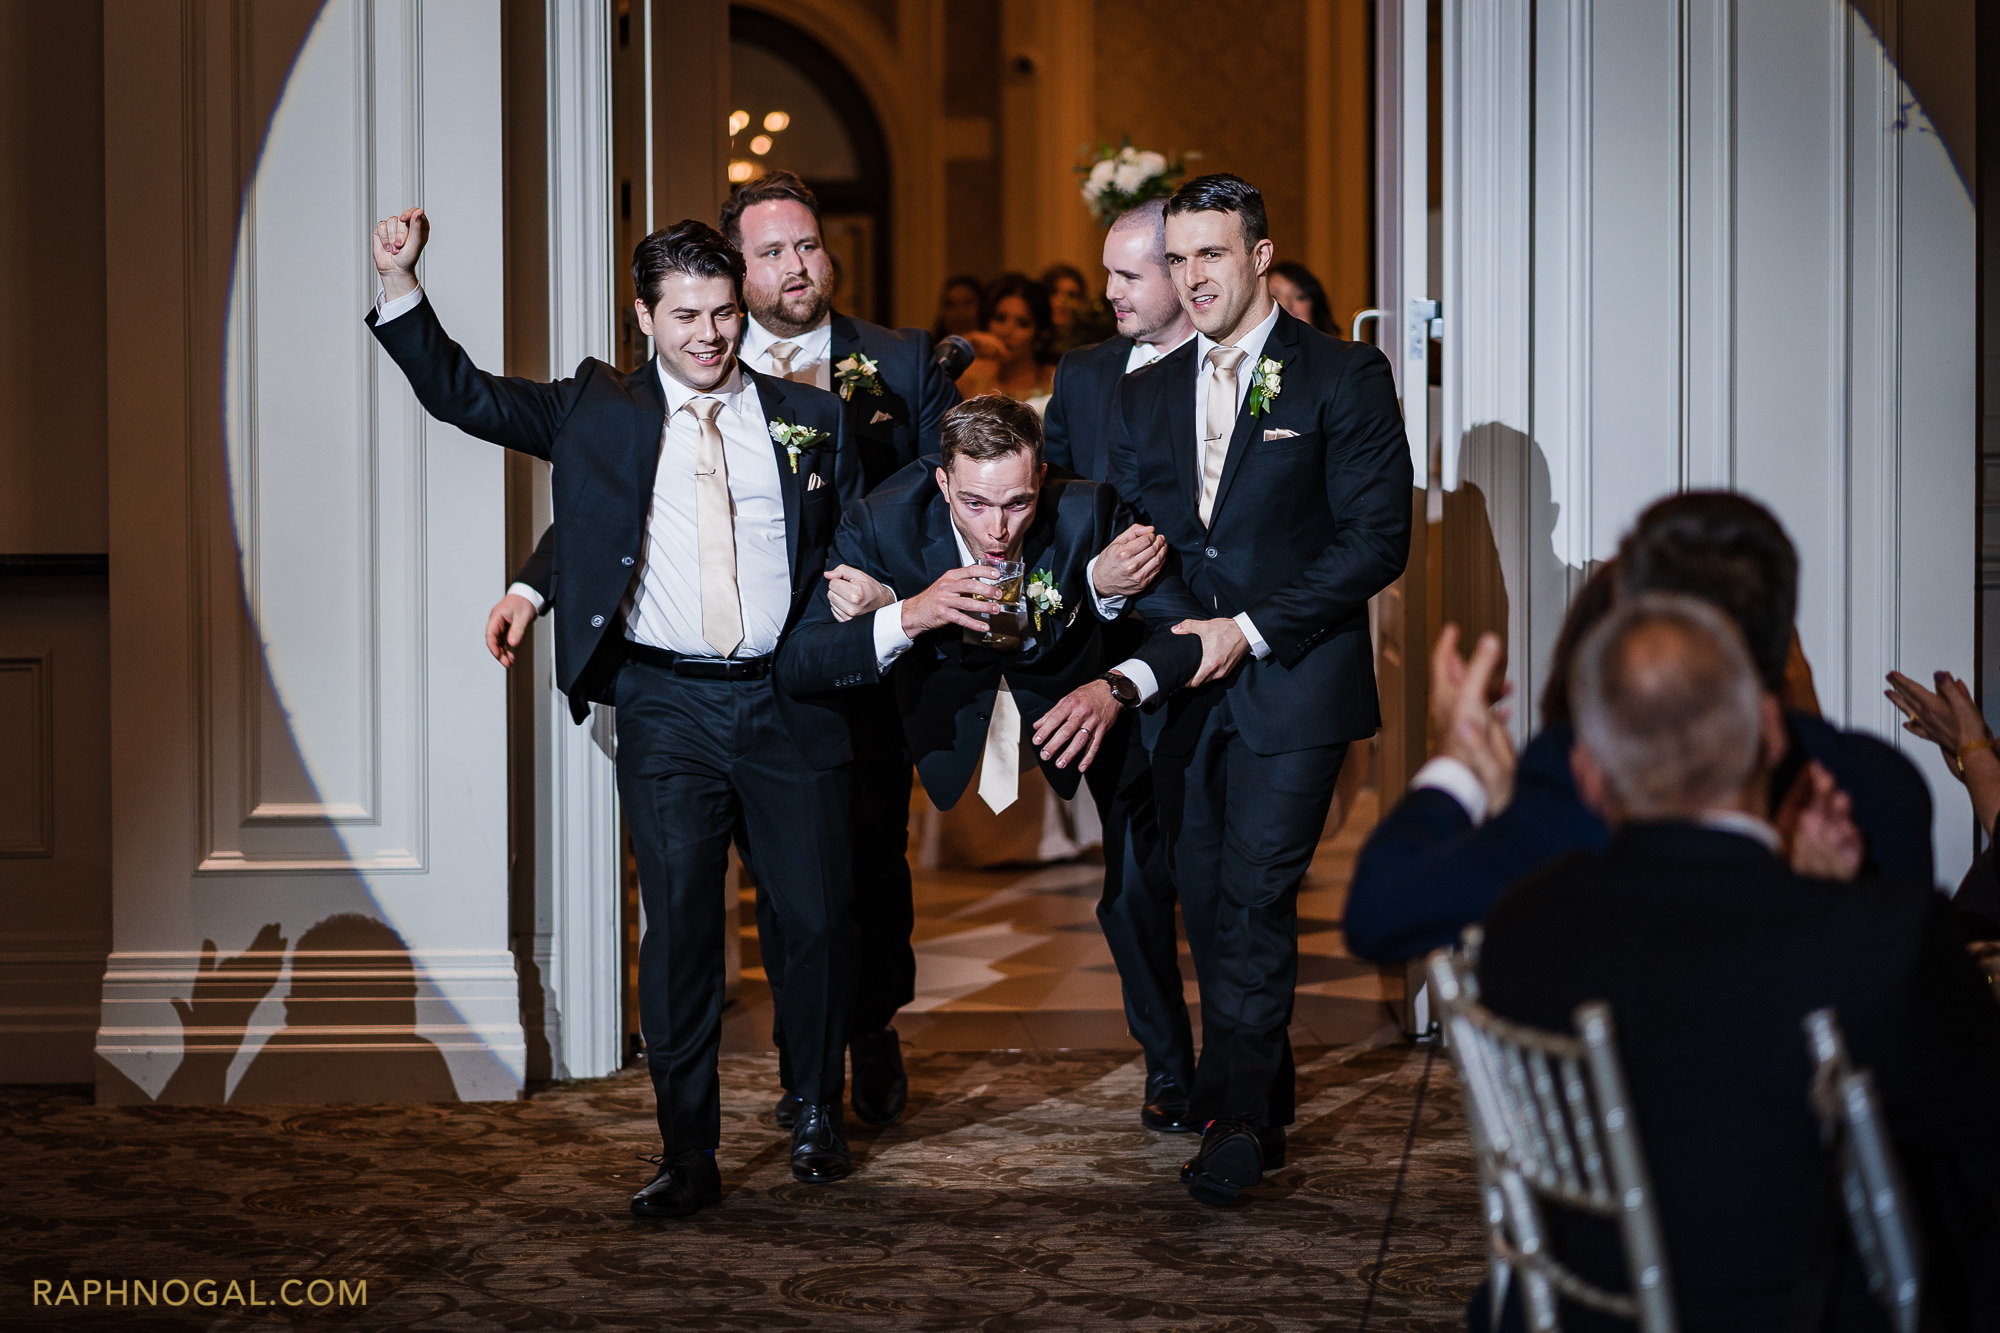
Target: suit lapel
1179,390
846,342
771,393
649,421
1281,346
940,548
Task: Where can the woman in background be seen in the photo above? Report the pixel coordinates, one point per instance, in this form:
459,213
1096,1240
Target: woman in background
958,306
1016,330
1294,287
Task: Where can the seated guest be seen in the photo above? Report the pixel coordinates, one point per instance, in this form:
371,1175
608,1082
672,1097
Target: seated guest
958,306
1950,719
1442,855
1710,951
1294,287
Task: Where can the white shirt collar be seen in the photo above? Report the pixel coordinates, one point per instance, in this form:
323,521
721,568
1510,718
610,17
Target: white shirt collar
1145,354
1741,824
815,344
1252,342
679,395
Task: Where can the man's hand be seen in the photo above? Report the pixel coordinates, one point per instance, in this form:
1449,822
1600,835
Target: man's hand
852,593
956,599
1076,725
505,624
1816,824
1223,647
1471,726
397,243
1129,565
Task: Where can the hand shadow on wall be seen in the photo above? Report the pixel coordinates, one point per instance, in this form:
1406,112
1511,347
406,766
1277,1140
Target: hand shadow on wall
350,1031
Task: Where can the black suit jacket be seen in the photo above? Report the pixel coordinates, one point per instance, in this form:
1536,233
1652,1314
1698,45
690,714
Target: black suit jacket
1083,408
601,431
1711,952
1306,528
901,535
886,430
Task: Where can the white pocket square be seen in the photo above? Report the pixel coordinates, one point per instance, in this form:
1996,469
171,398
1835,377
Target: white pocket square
815,481
1280,434
879,417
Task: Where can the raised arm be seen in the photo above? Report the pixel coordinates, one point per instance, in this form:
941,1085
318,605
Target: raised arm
518,414
936,394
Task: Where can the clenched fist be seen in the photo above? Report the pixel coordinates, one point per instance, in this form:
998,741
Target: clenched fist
397,243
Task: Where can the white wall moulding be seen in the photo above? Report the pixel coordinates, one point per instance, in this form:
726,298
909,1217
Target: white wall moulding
1751,267
308,737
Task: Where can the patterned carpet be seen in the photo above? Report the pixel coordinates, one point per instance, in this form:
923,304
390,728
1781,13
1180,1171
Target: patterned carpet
1019,1193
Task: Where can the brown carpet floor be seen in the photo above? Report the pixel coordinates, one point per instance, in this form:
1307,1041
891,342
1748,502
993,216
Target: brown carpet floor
1019,1193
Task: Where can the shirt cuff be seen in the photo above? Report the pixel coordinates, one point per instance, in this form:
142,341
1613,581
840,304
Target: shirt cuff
1258,648
890,641
1141,675
386,310
1454,779
527,594
1108,608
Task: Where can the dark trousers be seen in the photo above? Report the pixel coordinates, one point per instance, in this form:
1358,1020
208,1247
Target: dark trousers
1242,828
1136,910
883,916
695,758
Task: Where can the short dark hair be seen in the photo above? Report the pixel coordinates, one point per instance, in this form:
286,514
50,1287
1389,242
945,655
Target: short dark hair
1033,295
767,188
689,247
1224,193
1729,551
988,427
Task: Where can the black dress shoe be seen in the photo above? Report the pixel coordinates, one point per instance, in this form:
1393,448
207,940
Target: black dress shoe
1230,1160
881,1088
1166,1107
686,1182
786,1112
819,1148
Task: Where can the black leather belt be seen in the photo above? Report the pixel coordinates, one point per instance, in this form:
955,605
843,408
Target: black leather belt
701,668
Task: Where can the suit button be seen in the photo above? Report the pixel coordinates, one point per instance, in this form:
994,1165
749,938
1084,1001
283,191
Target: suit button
980,716
597,622
1210,553
626,561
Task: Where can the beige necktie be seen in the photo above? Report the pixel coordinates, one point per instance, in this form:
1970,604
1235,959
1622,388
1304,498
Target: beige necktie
1000,766
781,359
1220,426
715,533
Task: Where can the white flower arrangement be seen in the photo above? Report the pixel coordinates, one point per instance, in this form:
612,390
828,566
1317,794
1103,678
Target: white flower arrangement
796,439
1119,179
1043,595
1266,383
858,374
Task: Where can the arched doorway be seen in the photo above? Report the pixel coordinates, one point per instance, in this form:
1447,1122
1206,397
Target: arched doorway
796,106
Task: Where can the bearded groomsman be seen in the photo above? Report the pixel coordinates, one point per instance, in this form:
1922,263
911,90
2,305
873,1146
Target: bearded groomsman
701,497
1136,910
895,398
1272,459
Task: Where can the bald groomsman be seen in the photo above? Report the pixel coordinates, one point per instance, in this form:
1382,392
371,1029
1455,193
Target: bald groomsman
1272,459
1136,910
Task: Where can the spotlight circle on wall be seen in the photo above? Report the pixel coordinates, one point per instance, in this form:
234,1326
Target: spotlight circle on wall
774,121
761,144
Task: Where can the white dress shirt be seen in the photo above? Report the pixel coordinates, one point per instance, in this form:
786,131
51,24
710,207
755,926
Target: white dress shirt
815,351
1145,354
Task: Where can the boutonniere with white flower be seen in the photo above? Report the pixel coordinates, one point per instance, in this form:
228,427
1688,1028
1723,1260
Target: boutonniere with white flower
858,374
1043,595
1266,383
797,439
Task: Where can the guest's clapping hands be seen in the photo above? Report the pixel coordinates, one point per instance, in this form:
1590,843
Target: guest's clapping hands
1950,719
851,593
1815,822
1129,565
506,623
397,243
1471,724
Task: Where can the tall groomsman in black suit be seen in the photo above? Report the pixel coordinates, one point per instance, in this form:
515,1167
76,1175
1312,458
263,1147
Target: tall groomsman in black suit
1137,908
699,497
1272,459
932,534
896,397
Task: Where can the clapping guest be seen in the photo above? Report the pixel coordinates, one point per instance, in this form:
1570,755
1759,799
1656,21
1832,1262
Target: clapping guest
958,306
1440,857
1016,331
1710,951
1951,720
1294,287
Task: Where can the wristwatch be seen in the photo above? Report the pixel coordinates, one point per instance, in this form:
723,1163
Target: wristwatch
1122,689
